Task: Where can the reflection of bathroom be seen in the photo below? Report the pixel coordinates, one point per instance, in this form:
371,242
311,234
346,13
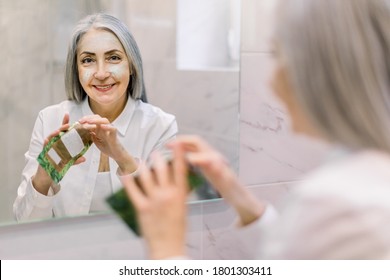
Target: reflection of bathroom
205,61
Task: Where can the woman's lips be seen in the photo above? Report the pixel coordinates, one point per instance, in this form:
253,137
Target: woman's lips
103,88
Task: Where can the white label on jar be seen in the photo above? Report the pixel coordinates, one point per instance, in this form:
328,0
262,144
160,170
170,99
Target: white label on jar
54,156
73,142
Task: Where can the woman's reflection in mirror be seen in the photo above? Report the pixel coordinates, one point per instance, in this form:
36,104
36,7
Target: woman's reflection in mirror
105,91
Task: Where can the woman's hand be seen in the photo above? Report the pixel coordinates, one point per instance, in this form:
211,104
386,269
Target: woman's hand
161,204
41,180
216,169
104,136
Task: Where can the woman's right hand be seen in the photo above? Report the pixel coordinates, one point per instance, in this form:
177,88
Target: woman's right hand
215,168
42,180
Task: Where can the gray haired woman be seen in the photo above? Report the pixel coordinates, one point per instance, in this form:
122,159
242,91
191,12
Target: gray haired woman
105,87
333,73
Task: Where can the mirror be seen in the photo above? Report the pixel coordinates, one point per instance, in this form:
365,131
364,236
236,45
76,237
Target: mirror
190,50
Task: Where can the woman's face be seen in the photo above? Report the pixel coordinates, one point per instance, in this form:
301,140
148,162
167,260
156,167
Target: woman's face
103,69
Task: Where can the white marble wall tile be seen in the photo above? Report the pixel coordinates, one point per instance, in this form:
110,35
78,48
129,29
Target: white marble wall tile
194,236
219,222
269,150
257,23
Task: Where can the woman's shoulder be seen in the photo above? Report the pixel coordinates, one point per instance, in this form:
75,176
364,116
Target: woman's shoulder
345,200
354,176
365,163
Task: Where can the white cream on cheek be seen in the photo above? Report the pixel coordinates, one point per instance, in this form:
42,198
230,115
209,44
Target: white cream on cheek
118,70
86,75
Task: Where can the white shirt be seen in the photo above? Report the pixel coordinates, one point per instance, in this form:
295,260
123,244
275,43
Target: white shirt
101,191
340,211
142,128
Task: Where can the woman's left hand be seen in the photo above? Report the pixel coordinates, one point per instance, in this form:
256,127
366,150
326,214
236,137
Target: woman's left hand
104,136
161,205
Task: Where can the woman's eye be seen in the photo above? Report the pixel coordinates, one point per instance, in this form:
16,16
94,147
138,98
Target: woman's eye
114,58
86,60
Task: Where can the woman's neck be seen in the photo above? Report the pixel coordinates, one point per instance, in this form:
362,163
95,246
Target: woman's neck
111,111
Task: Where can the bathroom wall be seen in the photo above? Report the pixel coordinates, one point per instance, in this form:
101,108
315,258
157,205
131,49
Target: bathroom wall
271,157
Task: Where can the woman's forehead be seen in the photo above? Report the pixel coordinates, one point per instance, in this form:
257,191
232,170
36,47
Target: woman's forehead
99,41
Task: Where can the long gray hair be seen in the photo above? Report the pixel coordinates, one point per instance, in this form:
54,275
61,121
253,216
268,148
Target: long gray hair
74,90
337,53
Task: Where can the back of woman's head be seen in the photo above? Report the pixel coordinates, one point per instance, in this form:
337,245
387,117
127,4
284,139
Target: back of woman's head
109,23
337,54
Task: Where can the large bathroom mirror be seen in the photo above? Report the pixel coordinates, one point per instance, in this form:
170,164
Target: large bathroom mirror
190,50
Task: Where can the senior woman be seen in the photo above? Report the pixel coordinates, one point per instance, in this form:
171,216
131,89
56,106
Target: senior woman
333,74
104,84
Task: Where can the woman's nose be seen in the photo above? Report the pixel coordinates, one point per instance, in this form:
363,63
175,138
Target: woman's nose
101,72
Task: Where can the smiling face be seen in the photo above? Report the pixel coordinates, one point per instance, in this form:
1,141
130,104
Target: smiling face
103,71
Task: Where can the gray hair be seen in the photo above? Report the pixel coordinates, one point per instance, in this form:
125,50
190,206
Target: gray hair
74,90
337,54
